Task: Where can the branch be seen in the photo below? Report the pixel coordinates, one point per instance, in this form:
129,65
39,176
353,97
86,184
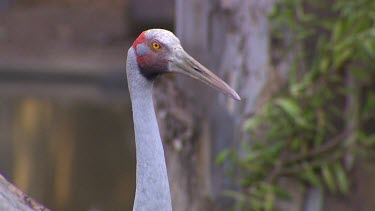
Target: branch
281,167
13,199
319,150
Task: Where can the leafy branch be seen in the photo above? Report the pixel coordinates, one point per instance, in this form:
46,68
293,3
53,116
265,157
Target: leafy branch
324,114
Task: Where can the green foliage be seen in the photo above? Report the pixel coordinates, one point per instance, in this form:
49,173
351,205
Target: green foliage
324,115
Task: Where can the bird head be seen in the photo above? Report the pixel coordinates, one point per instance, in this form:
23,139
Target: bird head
159,51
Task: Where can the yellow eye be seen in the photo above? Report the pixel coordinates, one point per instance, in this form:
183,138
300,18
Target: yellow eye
156,45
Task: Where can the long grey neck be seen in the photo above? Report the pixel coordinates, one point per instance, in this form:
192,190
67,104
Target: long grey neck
152,186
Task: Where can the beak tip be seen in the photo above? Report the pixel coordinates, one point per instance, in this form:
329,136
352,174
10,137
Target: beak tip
233,94
237,97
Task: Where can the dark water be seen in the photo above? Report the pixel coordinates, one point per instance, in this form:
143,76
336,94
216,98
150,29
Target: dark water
71,154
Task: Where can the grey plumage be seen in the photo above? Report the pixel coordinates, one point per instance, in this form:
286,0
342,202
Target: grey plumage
154,52
152,187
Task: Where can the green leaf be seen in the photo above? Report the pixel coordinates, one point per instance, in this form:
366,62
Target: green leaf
342,180
269,198
369,46
252,156
293,109
283,194
290,106
257,204
253,123
311,177
370,104
370,141
295,144
235,195
360,73
223,156
324,64
328,178
342,56
338,30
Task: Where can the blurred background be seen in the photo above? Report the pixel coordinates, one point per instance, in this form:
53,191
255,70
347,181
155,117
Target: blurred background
301,138
66,134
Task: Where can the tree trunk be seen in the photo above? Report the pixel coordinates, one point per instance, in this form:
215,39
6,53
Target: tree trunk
230,37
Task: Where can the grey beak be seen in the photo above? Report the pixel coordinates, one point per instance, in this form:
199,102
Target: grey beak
187,65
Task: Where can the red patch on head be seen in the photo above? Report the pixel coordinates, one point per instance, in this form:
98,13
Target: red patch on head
141,39
150,63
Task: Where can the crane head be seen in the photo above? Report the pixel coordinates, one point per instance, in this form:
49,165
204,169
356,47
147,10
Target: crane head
159,51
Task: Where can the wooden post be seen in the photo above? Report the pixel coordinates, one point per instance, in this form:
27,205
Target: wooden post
231,37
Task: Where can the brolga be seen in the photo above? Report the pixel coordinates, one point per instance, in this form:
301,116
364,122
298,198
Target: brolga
153,53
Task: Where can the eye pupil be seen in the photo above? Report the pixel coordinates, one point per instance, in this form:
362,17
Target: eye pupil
156,45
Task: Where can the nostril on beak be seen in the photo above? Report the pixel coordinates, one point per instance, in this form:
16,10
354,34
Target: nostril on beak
197,69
